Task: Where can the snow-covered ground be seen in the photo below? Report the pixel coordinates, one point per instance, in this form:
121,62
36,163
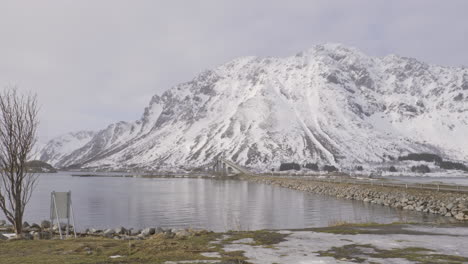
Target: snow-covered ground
404,174
304,247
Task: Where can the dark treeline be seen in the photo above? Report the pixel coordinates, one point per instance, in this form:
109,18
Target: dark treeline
289,166
329,168
428,157
310,166
421,169
448,165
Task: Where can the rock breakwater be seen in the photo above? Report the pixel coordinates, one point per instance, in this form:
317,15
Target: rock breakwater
451,204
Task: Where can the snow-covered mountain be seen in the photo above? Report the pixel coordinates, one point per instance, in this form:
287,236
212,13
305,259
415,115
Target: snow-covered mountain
331,104
60,147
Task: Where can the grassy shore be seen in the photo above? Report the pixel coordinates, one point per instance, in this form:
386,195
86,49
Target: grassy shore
156,249
340,242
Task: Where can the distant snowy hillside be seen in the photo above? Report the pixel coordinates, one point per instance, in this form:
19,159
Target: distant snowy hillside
331,104
58,148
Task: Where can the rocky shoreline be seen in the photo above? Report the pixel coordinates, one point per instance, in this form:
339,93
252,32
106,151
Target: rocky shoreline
46,231
450,204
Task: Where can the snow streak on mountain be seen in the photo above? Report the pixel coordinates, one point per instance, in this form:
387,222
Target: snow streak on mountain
331,104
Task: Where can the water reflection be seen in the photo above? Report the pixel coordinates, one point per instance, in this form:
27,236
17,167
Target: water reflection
202,203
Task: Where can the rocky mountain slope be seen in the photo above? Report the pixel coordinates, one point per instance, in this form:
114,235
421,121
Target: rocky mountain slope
331,104
60,147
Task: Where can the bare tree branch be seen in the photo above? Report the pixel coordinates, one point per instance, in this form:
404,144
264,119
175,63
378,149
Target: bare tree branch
18,135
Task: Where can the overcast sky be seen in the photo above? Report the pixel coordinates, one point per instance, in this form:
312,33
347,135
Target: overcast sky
95,62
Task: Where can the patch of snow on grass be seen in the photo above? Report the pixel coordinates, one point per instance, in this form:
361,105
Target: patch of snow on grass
300,246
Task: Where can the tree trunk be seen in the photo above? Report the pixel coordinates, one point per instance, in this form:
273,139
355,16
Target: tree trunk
19,226
18,219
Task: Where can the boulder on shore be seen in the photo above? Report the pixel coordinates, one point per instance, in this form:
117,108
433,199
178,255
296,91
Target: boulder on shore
27,236
45,224
148,231
182,233
109,232
134,232
35,226
63,226
42,235
120,230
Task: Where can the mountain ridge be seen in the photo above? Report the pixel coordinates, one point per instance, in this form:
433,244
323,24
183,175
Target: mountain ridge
330,104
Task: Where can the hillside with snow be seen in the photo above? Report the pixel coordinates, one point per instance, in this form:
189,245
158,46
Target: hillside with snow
60,147
331,104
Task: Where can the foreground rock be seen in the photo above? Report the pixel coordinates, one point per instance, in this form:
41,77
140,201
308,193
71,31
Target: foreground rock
148,231
45,224
109,233
120,230
46,231
42,235
451,204
134,234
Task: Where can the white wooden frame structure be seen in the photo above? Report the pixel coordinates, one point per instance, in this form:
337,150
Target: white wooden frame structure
61,208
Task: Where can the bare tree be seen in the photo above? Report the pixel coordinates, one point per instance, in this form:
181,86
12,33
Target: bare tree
18,135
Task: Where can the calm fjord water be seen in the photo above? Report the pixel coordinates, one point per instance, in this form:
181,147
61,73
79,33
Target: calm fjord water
105,202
